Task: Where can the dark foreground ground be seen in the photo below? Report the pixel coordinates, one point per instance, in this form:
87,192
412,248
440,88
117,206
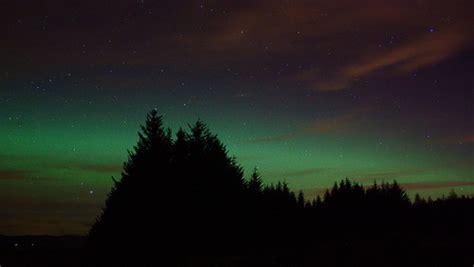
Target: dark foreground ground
40,250
434,251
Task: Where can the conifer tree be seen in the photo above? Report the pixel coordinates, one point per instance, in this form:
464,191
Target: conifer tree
133,198
255,184
300,199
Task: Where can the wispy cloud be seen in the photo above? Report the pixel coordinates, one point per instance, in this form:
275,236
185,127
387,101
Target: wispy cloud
12,174
425,50
283,29
94,167
275,138
336,42
337,124
57,216
468,139
434,184
428,49
304,172
390,175
458,139
105,168
24,175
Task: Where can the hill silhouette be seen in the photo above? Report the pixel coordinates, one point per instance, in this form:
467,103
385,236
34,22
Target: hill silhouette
183,201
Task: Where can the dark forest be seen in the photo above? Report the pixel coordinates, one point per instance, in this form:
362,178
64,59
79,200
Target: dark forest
183,201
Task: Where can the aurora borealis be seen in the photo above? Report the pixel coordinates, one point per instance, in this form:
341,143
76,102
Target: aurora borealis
309,91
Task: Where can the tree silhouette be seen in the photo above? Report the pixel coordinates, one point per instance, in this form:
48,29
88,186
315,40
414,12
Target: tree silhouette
145,203
135,200
300,200
183,201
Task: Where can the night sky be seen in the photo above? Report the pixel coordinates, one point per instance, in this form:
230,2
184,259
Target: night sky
310,92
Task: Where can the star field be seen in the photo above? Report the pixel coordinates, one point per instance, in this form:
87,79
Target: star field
309,91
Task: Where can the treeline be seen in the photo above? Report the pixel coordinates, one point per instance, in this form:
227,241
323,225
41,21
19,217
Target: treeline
182,201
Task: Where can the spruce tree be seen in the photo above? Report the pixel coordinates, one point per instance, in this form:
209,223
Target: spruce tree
129,210
255,184
300,199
